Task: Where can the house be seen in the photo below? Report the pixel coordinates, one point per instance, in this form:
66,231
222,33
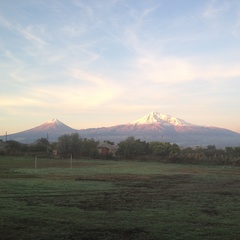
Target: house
55,153
106,148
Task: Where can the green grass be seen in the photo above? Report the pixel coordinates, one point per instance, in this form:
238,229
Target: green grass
99,199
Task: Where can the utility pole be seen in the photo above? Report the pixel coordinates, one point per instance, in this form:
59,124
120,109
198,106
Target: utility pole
6,137
71,161
35,163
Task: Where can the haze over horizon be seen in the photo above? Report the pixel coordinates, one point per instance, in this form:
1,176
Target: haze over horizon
103,63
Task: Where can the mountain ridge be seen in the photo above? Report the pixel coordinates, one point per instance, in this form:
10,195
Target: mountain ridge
154,126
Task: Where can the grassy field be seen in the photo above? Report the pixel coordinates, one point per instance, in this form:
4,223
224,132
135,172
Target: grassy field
98,199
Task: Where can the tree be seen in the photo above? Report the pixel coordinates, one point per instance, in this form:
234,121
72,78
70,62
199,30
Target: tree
210,151
41,146
131,148
89,148
69,145
14,147
162,149
175,149
237,151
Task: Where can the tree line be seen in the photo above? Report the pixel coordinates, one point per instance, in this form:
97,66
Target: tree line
166,152
130,148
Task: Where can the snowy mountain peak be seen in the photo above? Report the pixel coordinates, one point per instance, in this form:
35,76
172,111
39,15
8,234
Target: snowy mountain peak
165,119
54,121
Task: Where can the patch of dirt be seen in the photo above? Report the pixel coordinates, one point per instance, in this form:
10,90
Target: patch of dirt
109,234
114,178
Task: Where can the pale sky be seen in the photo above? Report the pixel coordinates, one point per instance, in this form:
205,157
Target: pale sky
99,63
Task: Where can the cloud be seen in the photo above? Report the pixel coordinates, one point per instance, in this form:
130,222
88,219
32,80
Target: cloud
214,10
236,29
73,30
176,70
30,33
4,22
149,10
93,89
167,69
220,71
12,57
82,90
19,101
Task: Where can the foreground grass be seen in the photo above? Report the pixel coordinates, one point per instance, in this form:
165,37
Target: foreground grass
117,200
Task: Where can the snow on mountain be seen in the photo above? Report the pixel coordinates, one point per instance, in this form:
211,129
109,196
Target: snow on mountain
156,117
53,123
